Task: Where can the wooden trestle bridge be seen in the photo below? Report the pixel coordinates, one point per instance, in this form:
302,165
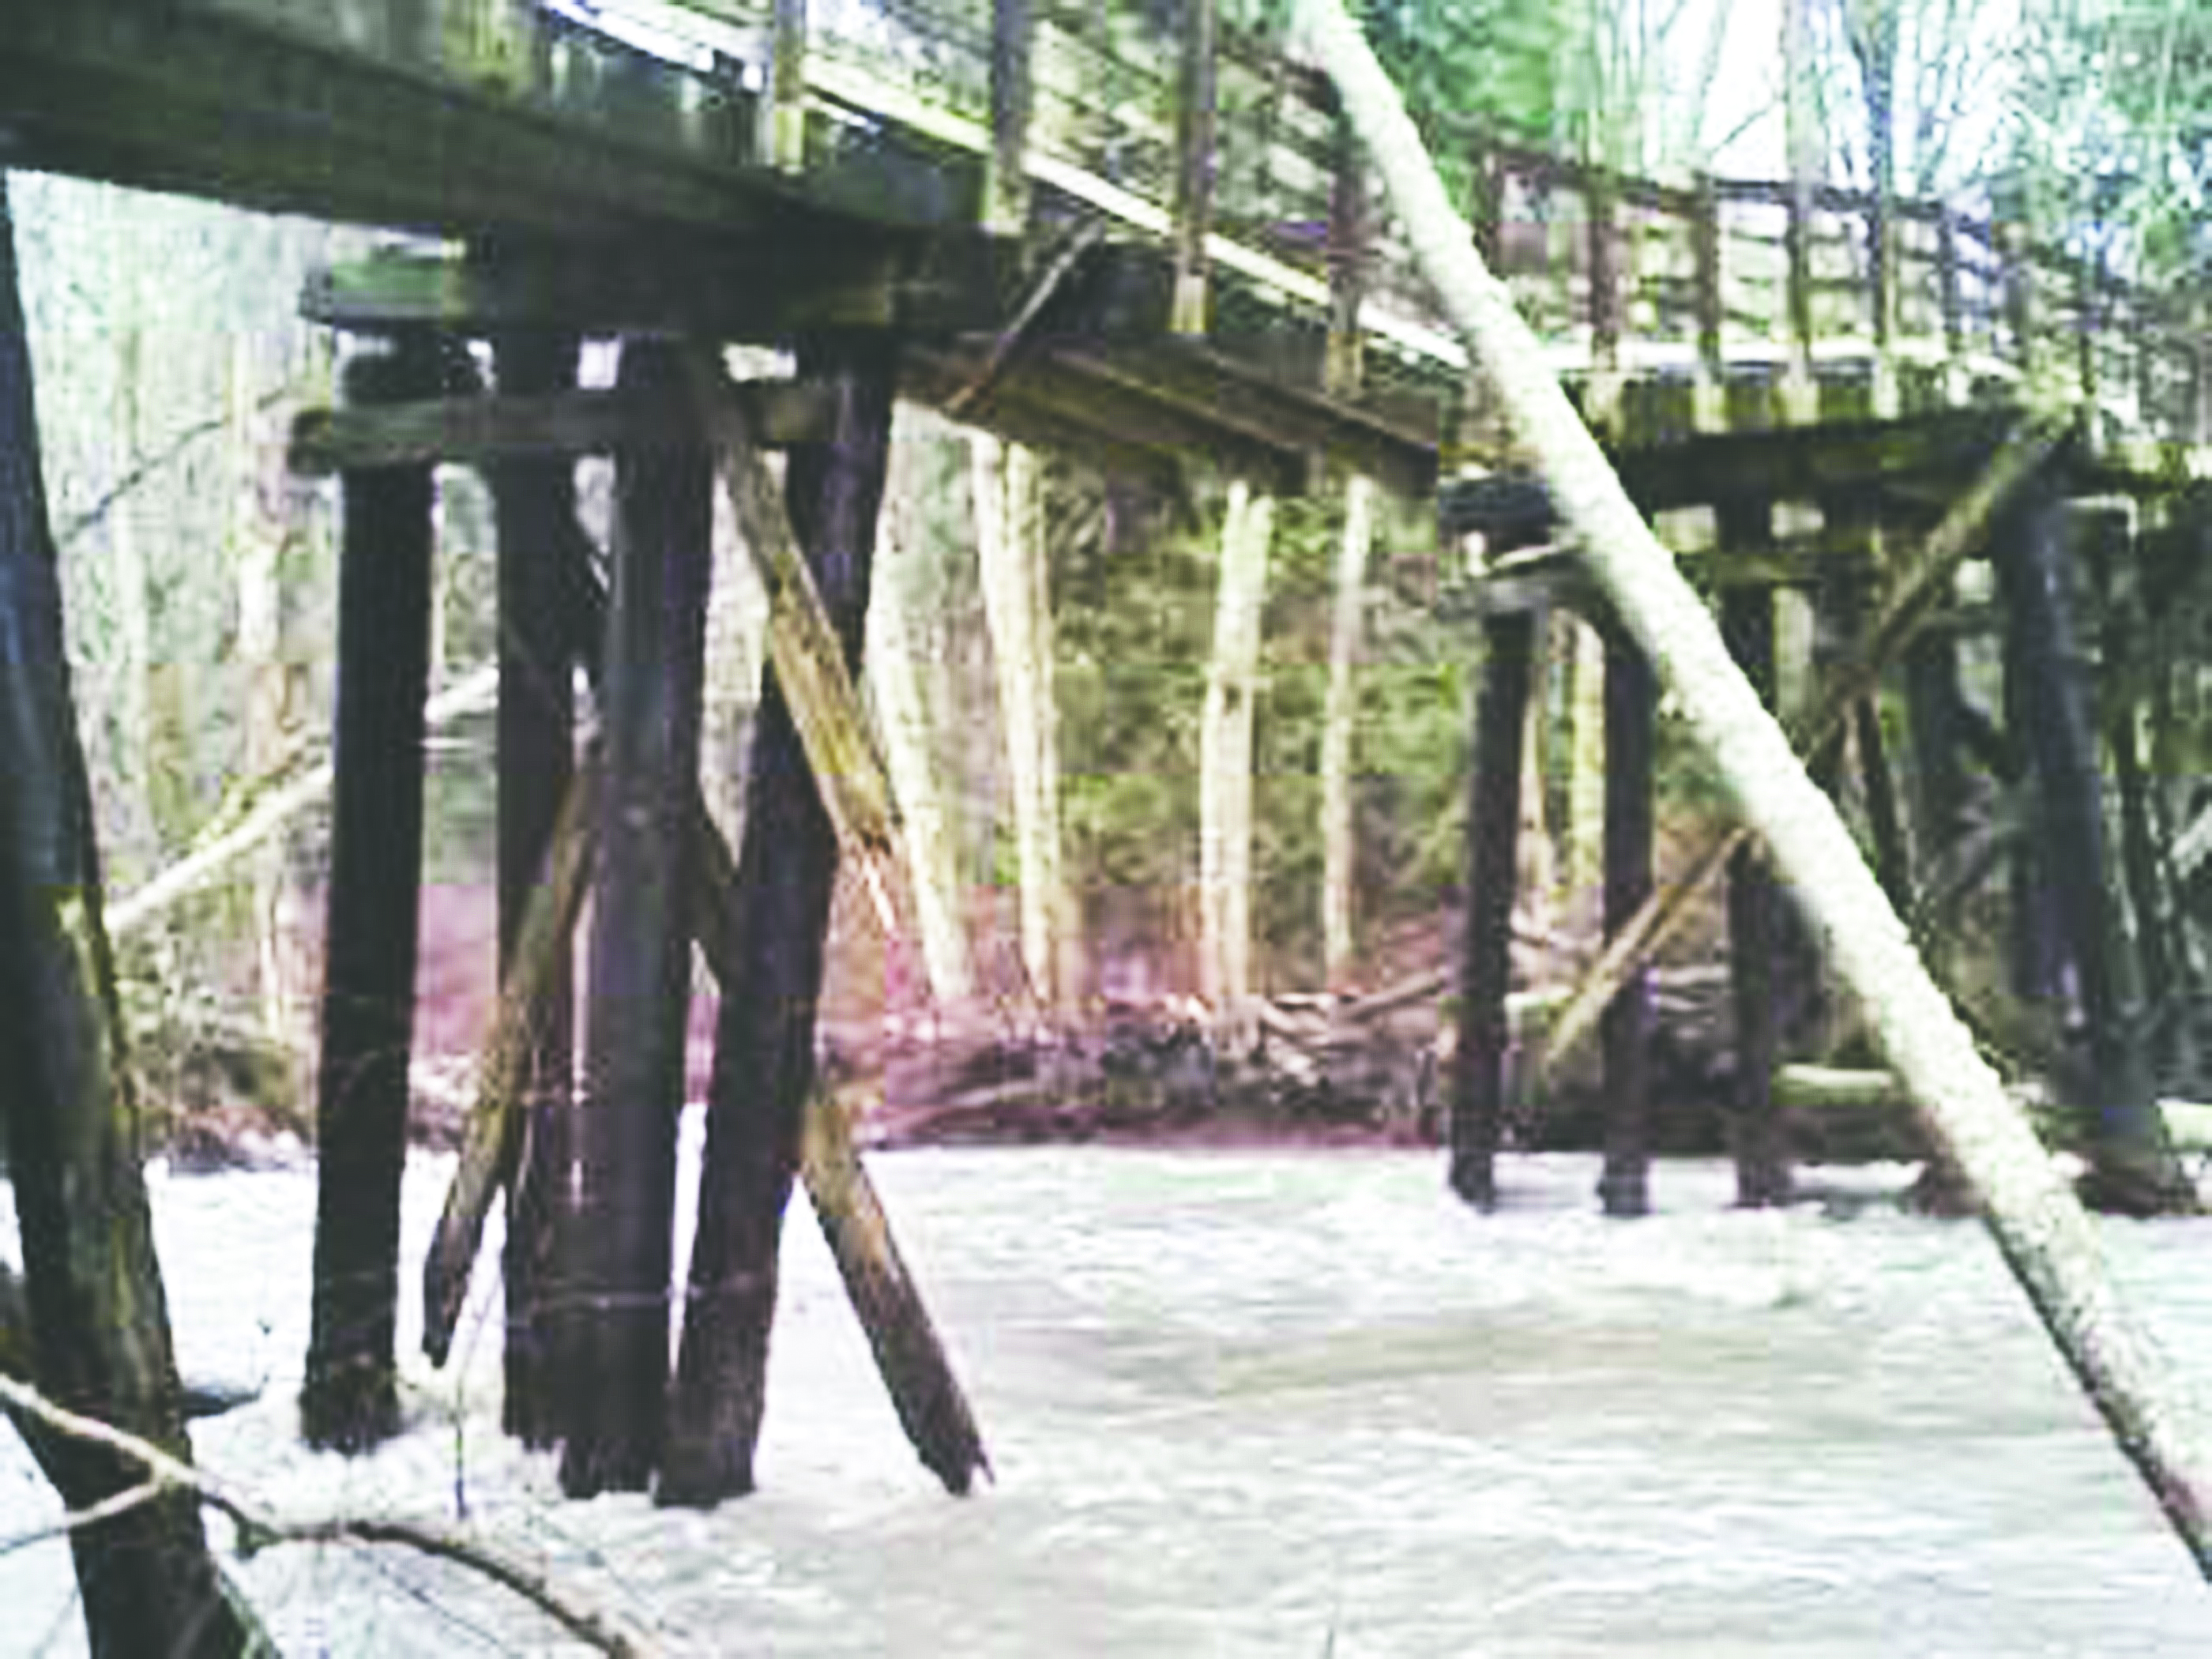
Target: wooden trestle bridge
1133,231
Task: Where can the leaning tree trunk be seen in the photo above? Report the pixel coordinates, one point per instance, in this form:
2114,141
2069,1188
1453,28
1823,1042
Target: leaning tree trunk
2042,1232
97,1314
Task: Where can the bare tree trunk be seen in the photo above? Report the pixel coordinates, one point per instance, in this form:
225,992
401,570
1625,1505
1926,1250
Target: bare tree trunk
258,546
909,745
1584,841
1011,550
1347,626
131,608
2042,1232
1224,763
98,1311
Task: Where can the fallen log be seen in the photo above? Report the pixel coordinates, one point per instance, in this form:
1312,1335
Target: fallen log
2043,1233
1830,1088
1820,1089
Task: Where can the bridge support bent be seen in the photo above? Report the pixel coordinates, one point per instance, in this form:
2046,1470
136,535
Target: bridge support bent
2051,705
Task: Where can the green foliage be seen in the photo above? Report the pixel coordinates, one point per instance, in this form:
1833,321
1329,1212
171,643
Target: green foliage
1134,630
1131,627
2129,133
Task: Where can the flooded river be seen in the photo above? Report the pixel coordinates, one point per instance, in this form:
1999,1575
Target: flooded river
1276,1403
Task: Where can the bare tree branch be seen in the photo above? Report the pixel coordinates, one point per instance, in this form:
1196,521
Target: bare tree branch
262,1525
472,694
94,516
106,1510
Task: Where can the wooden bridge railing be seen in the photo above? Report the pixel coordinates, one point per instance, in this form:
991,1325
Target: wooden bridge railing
1043,105
1625,278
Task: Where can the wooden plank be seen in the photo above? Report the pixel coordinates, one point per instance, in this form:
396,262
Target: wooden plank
272,105
1608,315
534,961
782,133
1709,411
765,287
1195,136
1350,252
476,431
1021,412
1007,185
1233,403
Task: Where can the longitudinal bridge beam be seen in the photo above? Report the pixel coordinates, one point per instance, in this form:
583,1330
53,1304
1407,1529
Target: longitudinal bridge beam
445,114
